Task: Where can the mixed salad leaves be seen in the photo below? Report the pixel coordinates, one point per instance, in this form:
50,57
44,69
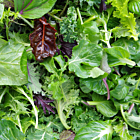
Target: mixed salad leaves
90,88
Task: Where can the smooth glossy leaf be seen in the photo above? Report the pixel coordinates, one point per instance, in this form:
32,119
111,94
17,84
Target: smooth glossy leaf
105,107
120,54
8,130
132,46
10,64
134,6
85,54
95,130
33,9
92,32
96,85
120,91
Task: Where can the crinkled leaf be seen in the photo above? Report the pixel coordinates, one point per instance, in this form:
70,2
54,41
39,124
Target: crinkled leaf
42,40
134,6
104,106
44,102
85,54
8,130
126,18
68,25
67,135
101,130
33,9
10,64
120,91
120,54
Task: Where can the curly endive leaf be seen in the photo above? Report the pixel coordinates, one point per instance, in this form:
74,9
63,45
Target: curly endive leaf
43,39
10,63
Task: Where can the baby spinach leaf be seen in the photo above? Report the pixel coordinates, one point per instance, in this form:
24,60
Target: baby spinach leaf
121,54
134,6
33,9
120,91
101,130
95,85
8,130
83,55
104,106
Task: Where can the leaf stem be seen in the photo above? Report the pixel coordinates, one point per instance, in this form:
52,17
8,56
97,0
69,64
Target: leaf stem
54,16
67,2
90,19
26,21
19,124
4,91
106,35
79,15
61,115
131,107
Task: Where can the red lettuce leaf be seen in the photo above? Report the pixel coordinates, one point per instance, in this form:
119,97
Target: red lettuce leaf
43,101
42,40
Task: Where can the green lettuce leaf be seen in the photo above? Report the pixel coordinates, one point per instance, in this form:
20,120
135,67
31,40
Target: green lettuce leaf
11,60
126,18
101,130
9,131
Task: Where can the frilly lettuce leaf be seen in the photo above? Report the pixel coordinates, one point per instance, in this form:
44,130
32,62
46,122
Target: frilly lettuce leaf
126,18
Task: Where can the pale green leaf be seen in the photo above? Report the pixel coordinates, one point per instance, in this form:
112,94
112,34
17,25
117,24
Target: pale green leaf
95,130
10,64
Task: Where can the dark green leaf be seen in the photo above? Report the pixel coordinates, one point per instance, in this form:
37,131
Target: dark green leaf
120,91
85,55
33,9
134,6
104,106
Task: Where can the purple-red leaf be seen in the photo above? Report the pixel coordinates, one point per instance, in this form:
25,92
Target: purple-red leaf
42,40
43,101
66,47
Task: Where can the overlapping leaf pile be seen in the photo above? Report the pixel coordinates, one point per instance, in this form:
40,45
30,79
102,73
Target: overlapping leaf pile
86,84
